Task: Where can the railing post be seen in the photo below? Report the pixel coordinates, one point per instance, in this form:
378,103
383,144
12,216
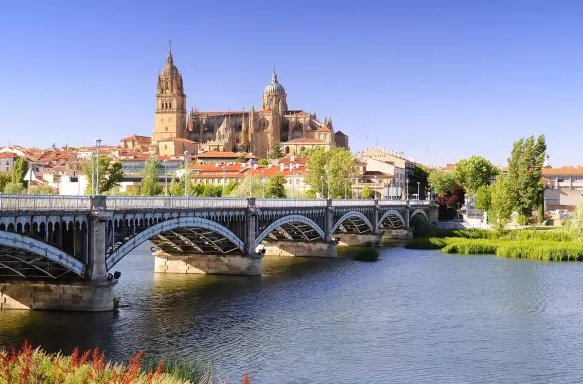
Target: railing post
329,223
375,222
250,226
407,214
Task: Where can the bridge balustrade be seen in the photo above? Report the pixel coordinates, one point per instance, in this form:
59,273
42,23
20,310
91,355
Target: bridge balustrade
117,203
44,203
289,203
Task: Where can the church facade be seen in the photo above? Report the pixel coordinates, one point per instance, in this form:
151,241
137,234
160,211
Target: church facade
254,131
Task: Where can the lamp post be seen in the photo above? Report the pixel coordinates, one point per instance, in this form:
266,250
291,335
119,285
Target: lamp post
92,173
165,179
293,169
97,144
418,190
223,194
407,190
263,183
251,178
328,177
322,182
352,185
186,154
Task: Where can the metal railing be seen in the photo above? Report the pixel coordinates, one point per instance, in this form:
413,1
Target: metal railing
121,203
44,203
290,203
353,202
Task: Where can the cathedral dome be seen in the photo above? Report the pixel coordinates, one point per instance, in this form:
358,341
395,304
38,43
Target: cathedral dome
274,88
169,69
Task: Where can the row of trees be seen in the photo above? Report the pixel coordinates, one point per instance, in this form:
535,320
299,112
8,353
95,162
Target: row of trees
14,183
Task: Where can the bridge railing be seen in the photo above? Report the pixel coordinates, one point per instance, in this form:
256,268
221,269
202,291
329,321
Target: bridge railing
116,203
290,203
353,203
44,203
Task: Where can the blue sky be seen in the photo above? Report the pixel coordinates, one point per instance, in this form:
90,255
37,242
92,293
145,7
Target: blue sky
439,80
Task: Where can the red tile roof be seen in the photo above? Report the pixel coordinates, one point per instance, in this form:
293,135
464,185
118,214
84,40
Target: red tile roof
323,128
141,139
305,140
224,155
563,171
8,155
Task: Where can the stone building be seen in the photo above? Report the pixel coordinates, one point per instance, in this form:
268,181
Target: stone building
253,131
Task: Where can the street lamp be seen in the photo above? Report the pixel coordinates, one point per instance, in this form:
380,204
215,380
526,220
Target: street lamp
293,169
251,162
186,154
263,183
97,144
407,190
165,179
322,182
92,173
328,177
418,190
352,185
223,194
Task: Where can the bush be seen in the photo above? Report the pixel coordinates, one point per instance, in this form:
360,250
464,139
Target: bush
367,254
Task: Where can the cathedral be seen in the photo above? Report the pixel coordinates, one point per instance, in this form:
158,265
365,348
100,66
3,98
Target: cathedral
254,131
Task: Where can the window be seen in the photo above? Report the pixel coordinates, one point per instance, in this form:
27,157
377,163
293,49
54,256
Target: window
170,120
166,129
162,120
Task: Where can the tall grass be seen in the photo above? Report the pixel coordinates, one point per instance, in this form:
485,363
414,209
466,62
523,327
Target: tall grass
509,235
29,365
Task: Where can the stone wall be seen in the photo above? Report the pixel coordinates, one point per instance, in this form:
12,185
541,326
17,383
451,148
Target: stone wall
209,264
373,240
399,234
92,297
299,249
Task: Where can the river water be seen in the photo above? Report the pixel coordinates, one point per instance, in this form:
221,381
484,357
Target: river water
412,317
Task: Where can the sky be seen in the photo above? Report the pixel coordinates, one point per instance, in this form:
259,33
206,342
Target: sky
437,80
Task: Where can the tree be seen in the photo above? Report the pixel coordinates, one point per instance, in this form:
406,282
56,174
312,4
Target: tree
19,170
367,192
110,174
263,162
442,181
483,199
211,190
42,190
332,167
5,178
473,173
275,151
450,202
275,187
14,189
230,186
242,190
503,199
150,185
176,187
420,175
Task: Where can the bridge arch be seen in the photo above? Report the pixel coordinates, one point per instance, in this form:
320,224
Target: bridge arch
39,248
394,217
419,211
350,215
169,225
290,219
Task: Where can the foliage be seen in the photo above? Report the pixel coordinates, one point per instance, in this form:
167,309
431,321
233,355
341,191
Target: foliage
5,178
442,181
421,227
275,151
263,162
453,198
243,147
42,190
340,164
230,186
19,170
306,152
483,199
367,254
176,187
110,173
209,190
150,185
575,223
503,199
367,192
473,173
14,189
29,365
420,175
242,190
275,187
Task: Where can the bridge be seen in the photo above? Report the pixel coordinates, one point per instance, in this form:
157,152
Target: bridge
58,252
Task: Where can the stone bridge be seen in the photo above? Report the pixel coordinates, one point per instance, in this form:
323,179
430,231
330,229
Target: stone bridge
58,252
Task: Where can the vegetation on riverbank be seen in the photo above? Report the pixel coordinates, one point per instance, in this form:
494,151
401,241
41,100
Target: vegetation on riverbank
535,245
30,365
367,254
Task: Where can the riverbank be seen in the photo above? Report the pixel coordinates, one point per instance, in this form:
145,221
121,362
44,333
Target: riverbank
521,244
30,365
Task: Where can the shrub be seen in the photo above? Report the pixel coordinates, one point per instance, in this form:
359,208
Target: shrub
367,254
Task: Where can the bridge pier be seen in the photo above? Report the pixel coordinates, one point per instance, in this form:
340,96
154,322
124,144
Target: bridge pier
363,239
300,248
399,234
207,264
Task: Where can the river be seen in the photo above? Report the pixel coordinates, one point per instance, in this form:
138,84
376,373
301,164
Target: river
412,317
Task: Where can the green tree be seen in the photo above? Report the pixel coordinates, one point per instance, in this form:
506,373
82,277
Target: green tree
242,190
42,190
230,186
110,174
19,170
275,187
176,187
333,168
212,190
442,181
367,192
5,178
275,151
473,173
14,189
263,162
503,199
483,199
420,175
150,185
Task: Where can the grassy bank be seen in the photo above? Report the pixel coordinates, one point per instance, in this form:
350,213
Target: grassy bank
535,245
30,365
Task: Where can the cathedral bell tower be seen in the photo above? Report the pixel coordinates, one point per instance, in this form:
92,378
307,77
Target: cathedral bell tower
170,103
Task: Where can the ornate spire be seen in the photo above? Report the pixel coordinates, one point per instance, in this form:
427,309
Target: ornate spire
274,77
169,59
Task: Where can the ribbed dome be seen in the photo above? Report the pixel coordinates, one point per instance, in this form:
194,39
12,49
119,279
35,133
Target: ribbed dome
169,69
274,88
